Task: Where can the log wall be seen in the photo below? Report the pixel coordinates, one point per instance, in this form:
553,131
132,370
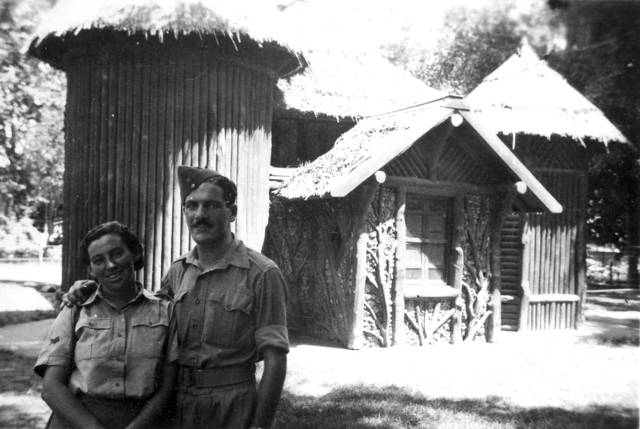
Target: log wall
314,244
134,115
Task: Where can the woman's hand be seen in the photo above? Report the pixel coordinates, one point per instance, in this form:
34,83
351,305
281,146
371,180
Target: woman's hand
63,403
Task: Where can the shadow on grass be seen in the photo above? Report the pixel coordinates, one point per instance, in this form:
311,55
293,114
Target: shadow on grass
366,407
16,418
20,404
16,374
615,300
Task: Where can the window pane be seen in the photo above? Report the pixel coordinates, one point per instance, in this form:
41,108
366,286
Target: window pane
436,274
414,255
414,225
436,225
413,274
435,254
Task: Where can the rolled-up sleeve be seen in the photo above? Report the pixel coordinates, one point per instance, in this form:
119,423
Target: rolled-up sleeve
271,312
59,346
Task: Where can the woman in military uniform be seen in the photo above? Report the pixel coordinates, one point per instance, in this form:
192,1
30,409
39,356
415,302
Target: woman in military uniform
107,363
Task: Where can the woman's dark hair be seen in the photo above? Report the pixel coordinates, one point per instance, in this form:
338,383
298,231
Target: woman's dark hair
113,227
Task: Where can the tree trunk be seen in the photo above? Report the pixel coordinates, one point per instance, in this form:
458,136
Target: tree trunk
633,279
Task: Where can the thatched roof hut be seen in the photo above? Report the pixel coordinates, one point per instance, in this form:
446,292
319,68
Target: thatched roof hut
533,106
238,21
336,89
351,85
370,234
153,84
525,96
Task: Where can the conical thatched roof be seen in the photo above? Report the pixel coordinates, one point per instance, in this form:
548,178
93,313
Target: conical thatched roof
524,95
238,20
351,84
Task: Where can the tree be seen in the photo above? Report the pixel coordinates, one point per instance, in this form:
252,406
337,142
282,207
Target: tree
473,42
594,46
602,61
32,96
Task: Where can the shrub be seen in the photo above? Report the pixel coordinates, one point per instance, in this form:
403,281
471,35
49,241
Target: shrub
19,238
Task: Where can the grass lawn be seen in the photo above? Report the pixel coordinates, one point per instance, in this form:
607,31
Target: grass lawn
367,407
556,380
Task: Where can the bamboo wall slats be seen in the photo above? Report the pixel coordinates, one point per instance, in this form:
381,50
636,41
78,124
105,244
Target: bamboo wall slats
132,119
552,315
549,255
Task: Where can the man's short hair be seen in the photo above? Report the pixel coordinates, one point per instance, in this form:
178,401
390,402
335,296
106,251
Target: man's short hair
229,190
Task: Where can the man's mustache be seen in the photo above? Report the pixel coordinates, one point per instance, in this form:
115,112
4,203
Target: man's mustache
201,223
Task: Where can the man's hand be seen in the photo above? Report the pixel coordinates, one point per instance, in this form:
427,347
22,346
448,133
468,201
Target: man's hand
79,292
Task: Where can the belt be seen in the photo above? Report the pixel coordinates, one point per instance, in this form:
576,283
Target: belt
215,377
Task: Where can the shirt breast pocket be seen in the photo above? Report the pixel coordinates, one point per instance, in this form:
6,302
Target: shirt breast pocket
229,319
148,334
94,337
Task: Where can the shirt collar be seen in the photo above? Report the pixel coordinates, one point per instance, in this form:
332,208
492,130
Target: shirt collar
237,255
140,294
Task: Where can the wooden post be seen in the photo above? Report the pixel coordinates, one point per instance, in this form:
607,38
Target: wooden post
581,250
367,196
458,266
398,304
500,207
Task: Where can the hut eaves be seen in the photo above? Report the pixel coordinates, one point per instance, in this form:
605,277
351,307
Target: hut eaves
374,142
350,84
239,20
524,95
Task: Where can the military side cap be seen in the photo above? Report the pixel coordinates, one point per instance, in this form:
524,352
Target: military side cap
192,177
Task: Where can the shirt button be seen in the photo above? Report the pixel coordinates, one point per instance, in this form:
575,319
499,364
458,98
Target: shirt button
197,301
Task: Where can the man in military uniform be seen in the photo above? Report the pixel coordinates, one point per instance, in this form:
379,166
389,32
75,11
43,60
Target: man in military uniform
230,312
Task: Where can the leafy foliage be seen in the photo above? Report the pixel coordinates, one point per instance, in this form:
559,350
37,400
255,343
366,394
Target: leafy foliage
602,62
613,196
31,118
472,43
594,46
19,238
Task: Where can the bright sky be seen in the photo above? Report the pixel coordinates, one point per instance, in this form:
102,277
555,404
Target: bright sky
370,23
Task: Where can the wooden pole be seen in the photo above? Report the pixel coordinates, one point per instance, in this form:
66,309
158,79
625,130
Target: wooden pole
401,230
368,193
458,266
581,250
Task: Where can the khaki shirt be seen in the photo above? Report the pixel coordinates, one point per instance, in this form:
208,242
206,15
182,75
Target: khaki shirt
228,314
117,353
